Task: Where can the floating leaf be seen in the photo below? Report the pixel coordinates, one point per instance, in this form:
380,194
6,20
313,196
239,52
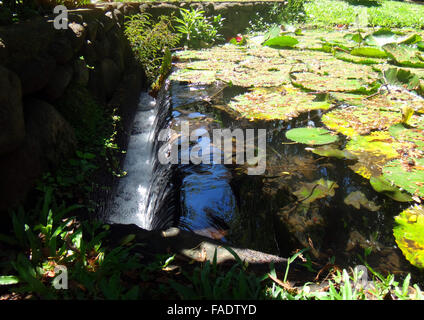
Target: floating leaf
357,199
352,121
356,37
309,192
311,136
373,151
409,234
408,176
325,151
357,59
382,185
369,52
412,39
401,77
404,55
381,37
414,135
281,42
276,103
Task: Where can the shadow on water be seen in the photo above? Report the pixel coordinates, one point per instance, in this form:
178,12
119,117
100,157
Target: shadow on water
261,212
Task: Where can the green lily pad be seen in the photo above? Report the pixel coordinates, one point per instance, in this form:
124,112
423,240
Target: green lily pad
381,37
380,184
326,151
276,103
414,135
357,199
409,234
406,176
320,82
404,55
311,136
352,121
344,56
281,42
369,52
412,39
401,77
194,76
373,151
309,192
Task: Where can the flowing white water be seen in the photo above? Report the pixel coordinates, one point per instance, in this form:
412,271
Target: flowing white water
129,204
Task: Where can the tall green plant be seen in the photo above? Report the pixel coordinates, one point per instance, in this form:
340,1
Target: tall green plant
198,30
149,39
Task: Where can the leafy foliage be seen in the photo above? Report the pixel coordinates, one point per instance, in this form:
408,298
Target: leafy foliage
199,31
409,234
149,40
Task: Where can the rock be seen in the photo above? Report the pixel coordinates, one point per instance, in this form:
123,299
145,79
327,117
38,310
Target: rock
35,74
76,34
56,137
61,50
119,59
119,17
92,29
102,48
58,82
81,72
12,125
3,51
89,53
109,21
111,76
49,140
104,79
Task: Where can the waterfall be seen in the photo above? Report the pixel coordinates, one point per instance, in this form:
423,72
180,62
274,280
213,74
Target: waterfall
145,195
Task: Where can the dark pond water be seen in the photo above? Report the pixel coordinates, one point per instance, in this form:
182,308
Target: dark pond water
260,212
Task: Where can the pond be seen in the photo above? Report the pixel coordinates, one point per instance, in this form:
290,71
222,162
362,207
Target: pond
311,195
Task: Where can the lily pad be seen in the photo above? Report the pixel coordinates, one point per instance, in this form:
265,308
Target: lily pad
385,187
381,37
373,151
275,103
413,135
401,77
311,136
281,42
408,175
344,56
369,52
409,234
404,55
352,121
326,151
309,192
357,199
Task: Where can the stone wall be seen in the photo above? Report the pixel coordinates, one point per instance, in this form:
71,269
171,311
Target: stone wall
37,65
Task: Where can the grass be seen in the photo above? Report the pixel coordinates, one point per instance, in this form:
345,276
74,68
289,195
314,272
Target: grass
392,14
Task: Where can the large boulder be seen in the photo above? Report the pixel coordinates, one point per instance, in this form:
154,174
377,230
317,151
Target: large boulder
104,79
55,135
81,72
12,126
61,50
49,140
58,82
35,74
